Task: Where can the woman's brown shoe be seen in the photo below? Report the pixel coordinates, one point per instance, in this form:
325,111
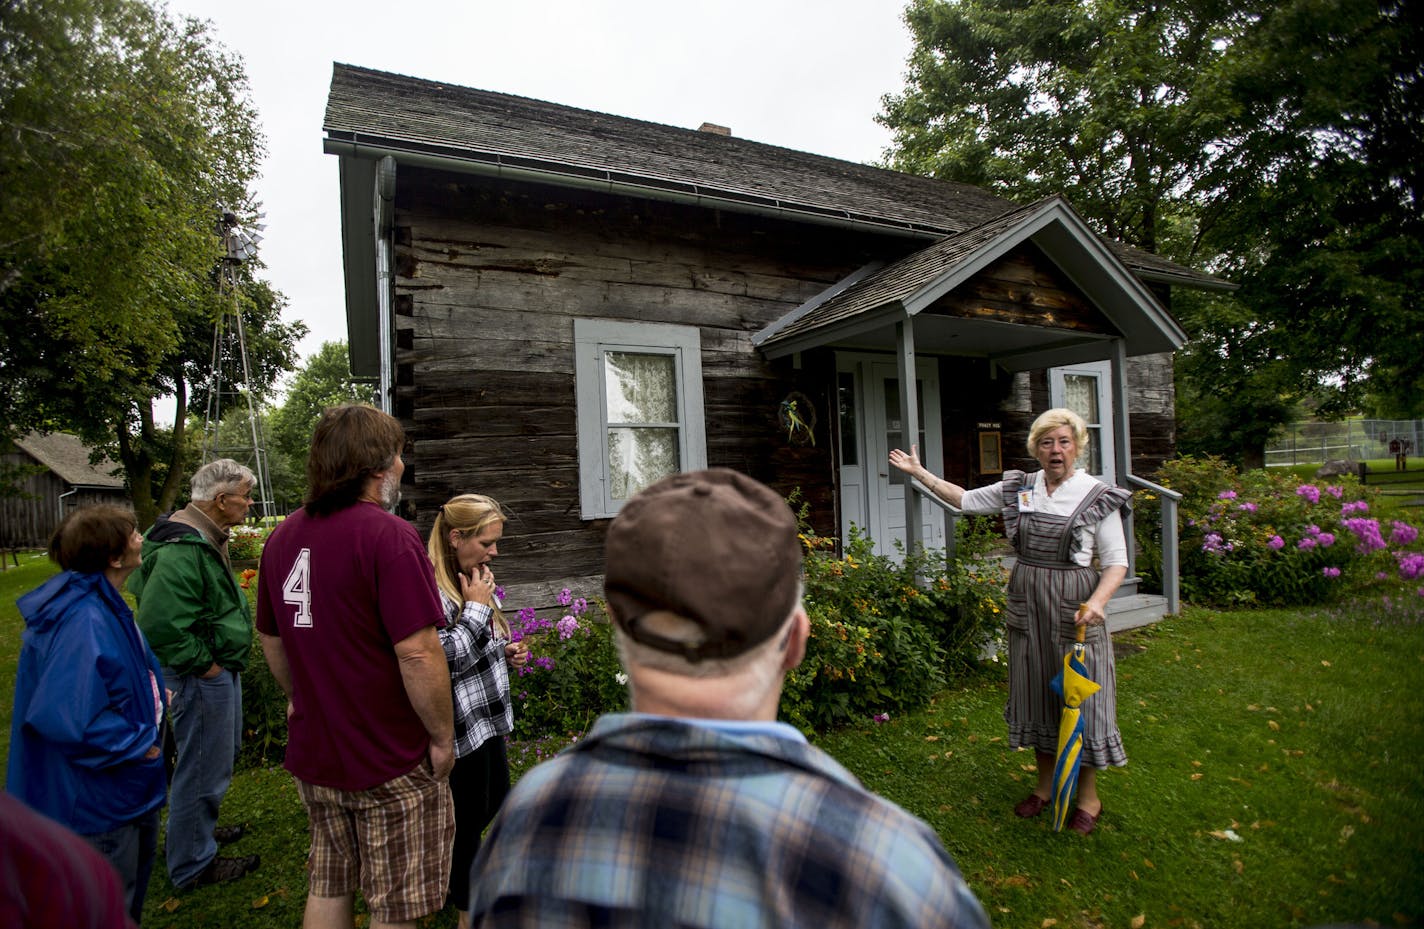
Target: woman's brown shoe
1084,822
1030,806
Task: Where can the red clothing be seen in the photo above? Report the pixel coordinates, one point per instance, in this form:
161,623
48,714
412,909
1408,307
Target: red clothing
340,591
51,877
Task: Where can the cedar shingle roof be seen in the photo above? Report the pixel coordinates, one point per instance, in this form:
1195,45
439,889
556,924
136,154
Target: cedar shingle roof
68,457
396,113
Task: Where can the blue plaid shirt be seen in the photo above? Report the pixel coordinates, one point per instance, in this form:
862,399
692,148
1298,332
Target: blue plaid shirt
659,822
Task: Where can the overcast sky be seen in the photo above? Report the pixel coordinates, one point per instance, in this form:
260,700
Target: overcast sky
804,74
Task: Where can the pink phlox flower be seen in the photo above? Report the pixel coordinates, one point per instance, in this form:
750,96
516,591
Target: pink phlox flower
1411,565
1276,543
1330,572
1309,492
1226,495
1368,532
881,717
1305,544
1336,492
1381,575
567,627
1358,506
1248,506
1213,543
566,597
1326,539
580,606
1402,534
498,592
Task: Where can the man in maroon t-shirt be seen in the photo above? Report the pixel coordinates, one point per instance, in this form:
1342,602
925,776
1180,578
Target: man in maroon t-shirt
347,611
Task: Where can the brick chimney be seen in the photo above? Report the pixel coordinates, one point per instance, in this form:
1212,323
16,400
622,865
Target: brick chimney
715,129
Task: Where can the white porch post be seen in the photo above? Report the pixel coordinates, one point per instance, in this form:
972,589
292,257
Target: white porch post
909,423
1122,451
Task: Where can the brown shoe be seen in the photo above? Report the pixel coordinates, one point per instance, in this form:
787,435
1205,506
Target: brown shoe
1084,822
221,870
1030,806
226,835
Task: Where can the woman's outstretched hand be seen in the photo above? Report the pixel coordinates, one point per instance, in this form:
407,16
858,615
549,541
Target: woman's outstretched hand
908,463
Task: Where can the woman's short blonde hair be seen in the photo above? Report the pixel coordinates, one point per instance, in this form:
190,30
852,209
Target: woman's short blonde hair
1052,419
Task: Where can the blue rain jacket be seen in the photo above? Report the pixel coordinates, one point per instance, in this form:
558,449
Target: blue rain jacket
87,704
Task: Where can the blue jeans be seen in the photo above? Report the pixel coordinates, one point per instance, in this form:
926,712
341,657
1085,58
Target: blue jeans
131,849
207,728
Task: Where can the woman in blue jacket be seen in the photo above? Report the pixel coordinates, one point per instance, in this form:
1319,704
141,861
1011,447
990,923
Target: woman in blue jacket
85,745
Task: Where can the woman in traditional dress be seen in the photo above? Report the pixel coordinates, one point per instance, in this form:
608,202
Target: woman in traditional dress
1067,531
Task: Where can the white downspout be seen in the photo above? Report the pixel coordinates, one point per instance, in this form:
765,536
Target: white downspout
384,216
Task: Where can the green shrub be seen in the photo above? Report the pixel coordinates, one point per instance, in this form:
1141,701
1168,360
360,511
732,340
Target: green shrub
1271,539
245,542
264,705
572,677
882,642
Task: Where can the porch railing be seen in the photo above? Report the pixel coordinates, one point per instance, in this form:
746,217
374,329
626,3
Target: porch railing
1171,569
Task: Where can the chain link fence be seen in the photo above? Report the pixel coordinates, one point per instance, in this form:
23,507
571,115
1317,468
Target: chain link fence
1355,440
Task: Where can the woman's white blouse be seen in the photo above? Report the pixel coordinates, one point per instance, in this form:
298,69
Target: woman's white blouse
1106,538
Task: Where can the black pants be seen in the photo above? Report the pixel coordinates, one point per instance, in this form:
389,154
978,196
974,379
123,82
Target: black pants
479,782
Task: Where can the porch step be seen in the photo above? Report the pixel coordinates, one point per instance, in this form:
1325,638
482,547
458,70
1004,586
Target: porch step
1135,610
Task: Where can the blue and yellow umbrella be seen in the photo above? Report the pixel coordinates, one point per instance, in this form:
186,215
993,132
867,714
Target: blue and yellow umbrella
1075,687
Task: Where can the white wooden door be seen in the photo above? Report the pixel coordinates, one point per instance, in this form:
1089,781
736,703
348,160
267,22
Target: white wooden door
873,493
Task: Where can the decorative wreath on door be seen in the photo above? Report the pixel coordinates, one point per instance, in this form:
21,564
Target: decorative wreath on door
797,415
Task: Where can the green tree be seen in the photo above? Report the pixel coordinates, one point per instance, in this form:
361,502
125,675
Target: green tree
324,380
1267,141
125,132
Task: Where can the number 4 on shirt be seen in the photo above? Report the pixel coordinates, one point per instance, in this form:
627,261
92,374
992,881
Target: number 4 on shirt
296,589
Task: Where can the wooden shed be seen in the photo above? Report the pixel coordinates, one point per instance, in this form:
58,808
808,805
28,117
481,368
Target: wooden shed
51,475
563,305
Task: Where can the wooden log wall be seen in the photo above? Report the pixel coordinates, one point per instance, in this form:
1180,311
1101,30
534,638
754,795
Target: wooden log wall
489,281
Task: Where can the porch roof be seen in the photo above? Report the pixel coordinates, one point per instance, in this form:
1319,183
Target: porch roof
861,311
68,457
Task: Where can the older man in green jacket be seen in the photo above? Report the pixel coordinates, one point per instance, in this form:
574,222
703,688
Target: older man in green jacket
198,623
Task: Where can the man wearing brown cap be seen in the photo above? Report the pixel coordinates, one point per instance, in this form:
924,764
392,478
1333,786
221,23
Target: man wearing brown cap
698,808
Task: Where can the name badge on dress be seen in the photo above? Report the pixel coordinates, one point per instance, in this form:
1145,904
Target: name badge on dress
1026,500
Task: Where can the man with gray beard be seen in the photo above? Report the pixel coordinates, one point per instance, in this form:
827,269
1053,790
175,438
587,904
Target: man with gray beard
370,725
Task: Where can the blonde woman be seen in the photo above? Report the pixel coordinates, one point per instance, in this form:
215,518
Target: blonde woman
1060,521
463,543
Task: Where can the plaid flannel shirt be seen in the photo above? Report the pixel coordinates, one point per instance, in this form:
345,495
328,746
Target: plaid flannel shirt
479,677
662,822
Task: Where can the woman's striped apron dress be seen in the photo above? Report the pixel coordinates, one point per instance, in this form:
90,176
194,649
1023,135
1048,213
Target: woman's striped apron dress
1044,592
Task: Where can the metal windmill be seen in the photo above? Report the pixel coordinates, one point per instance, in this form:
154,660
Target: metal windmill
240,240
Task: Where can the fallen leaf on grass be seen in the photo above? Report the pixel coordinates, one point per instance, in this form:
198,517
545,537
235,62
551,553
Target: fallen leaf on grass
1198,776
1196,764
260,902
1148,862
1048,923
172,903
1015,880
1275,726
1324,662
931,738
1139,921
1238,866
1028,767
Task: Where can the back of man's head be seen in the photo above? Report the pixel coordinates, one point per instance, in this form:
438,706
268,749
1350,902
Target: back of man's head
703,566
349,445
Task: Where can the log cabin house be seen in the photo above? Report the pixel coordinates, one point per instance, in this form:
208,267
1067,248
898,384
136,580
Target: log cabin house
562,305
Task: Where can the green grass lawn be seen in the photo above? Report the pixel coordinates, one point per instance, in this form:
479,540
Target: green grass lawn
1274,781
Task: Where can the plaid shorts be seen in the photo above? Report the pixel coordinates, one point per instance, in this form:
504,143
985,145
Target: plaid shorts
391,842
